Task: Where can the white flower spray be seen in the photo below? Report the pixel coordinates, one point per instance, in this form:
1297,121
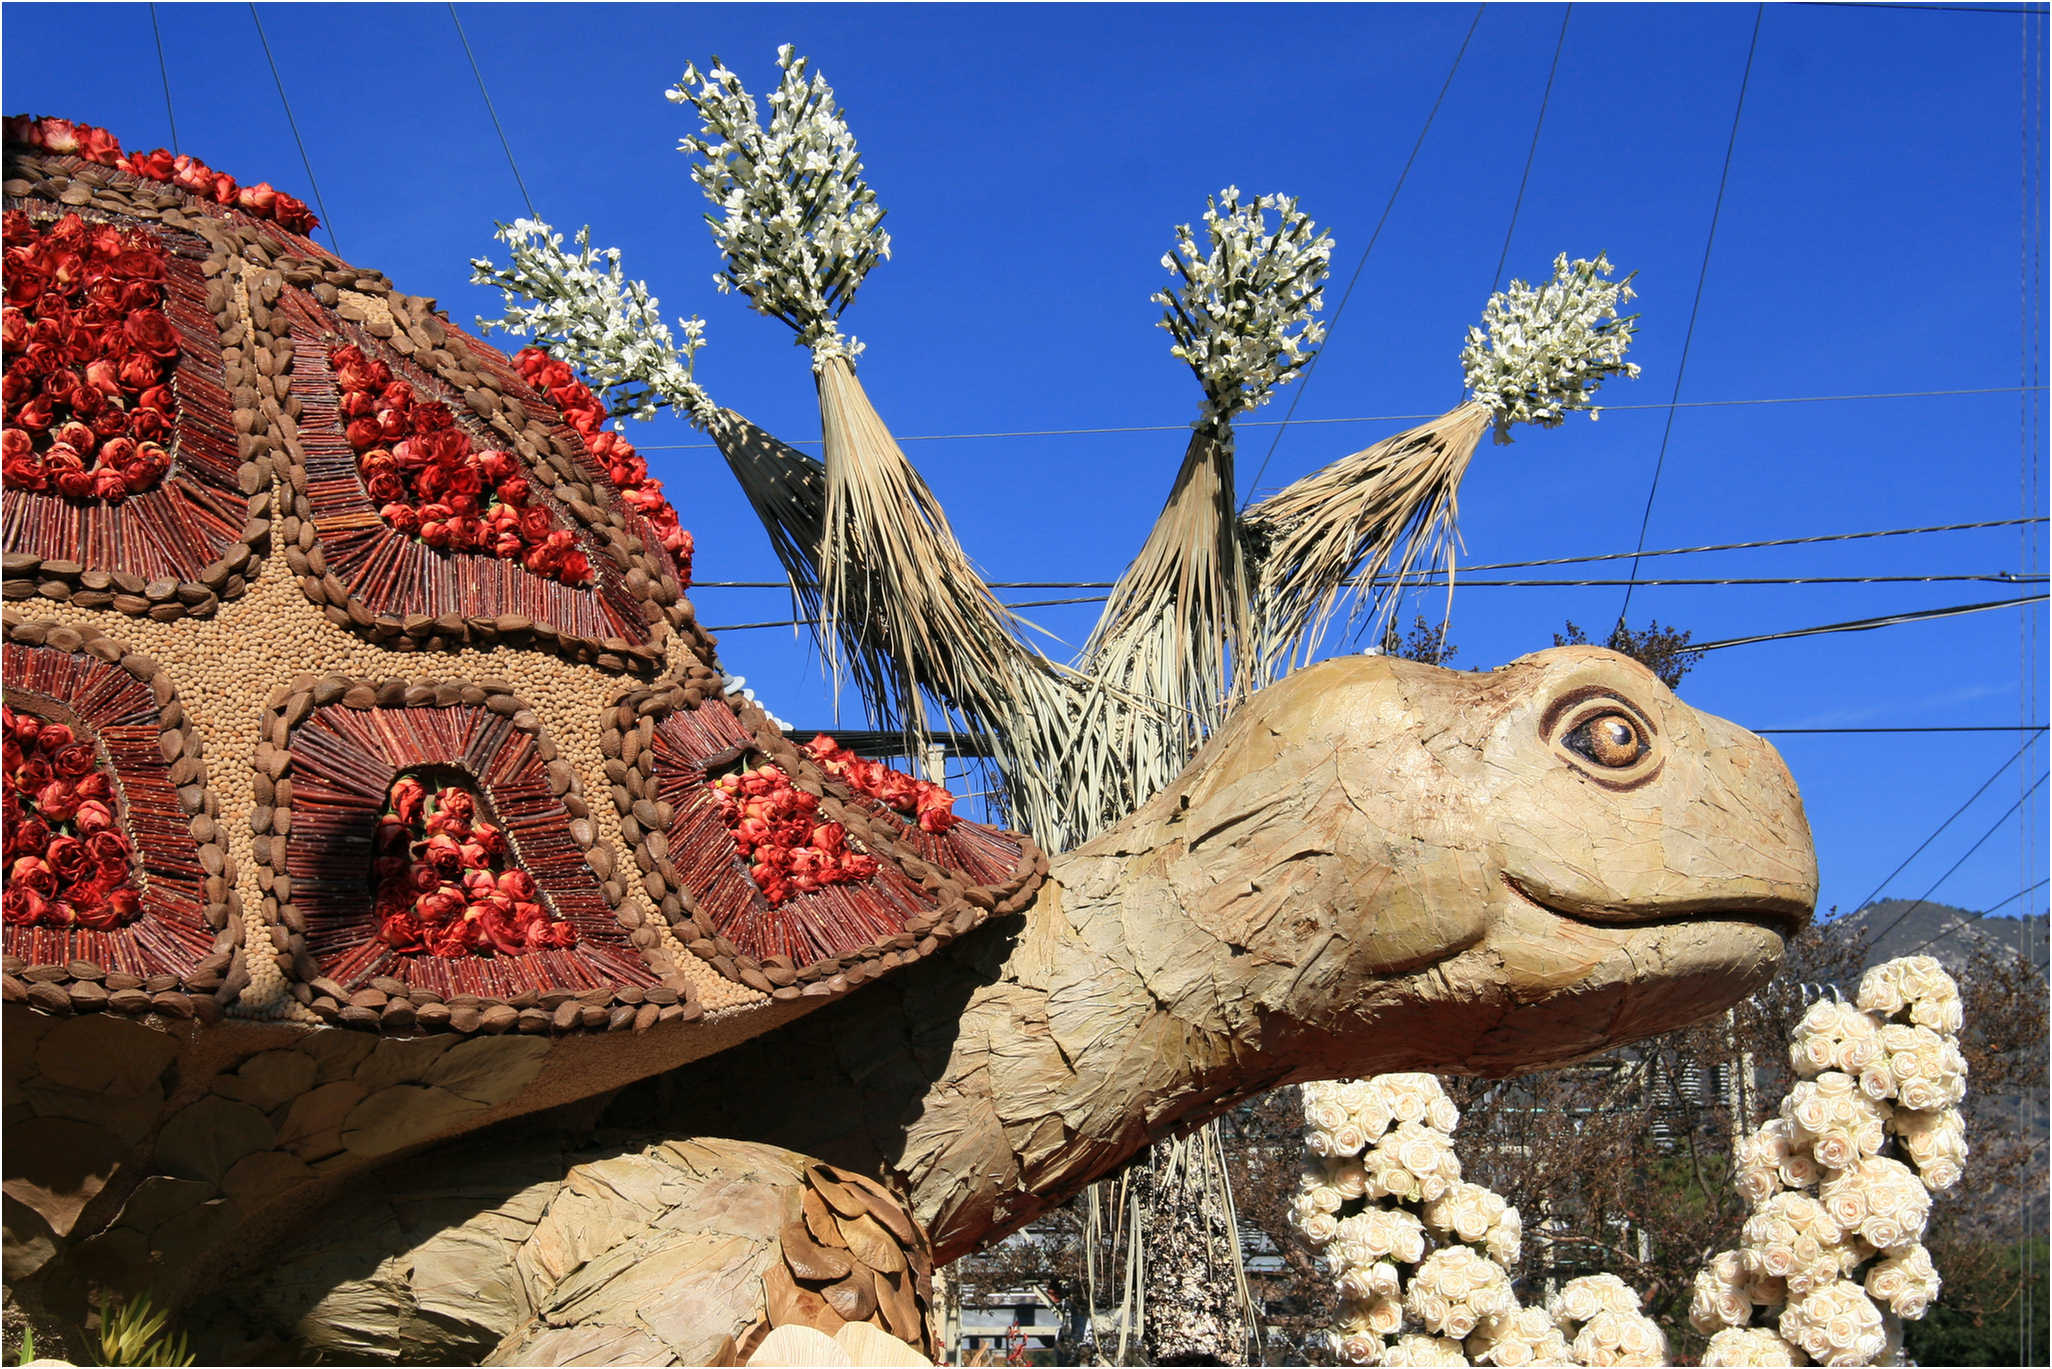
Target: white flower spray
584,311
1541,353
796,221
1241,310
1828,1265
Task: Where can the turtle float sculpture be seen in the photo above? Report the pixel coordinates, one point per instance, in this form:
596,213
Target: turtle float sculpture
412,953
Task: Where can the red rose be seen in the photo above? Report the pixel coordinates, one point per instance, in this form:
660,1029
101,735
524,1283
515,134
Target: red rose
109,850
35,414
152,332
33,872
73,759
138,371
149,465
433,418
110,485
138,263
16,442
95,786
69,857
109,423
100,915
56,135
259,199
23,472
155,166
148,425
401,517
29,834
291,214
385,487
364,433
58,386
98,145
22,906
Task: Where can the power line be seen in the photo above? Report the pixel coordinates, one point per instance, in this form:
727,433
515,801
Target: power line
1522,565
1938,9
164,71
1531,153
1968,727
1695,306
1992,830
1118,430
474,71
326,218
1441,578
1304,381
1999,772
1854,625
1867,624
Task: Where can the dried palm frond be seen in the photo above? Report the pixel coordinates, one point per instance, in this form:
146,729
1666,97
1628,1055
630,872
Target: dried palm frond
787,489
1371,518
1175,618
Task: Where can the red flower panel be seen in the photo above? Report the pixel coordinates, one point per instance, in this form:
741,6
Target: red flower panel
120,443
122,884
925,813
395,574
835,917
350,769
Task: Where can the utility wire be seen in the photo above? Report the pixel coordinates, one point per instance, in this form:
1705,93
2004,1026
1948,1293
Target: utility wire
1304,380
1546,96
2000,771
496,127
1117,430
327,219
1992,830
164,70
1972,727
1855,625
1867,624
1702,276
1441,577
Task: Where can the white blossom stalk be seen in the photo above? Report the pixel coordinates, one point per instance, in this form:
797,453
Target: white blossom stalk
1241,308
581,307
1542,353
797,223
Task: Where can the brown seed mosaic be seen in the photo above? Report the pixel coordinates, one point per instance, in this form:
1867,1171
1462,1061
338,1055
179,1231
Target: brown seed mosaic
179,548
660,744
332,748
178,956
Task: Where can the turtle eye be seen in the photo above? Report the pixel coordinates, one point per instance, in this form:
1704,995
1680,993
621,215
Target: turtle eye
1611,739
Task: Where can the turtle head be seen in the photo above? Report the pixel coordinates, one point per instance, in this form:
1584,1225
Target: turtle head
1515,868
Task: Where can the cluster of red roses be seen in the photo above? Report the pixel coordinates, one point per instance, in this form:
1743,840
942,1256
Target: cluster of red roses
440,888
67,858
87,392
189,174
432,483
931,804
777,827
629,473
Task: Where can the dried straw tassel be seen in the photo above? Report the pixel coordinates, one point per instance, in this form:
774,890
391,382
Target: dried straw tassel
1379,514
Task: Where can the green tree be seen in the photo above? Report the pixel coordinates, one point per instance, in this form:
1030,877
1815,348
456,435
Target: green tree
1662,650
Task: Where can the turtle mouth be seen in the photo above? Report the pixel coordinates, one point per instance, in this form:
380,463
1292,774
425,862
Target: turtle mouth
1782,914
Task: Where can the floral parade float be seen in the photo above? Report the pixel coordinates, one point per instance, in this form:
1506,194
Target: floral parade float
371,782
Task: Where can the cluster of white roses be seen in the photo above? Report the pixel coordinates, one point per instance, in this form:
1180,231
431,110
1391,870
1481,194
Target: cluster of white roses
1828,1264
595,319
1543,352
1241,308
1830,1254
1420,1256
797,223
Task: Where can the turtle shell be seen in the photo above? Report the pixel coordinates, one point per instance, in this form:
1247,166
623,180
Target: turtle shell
404,714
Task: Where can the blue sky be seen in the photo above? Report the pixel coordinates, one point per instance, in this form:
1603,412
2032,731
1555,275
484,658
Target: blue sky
1034,161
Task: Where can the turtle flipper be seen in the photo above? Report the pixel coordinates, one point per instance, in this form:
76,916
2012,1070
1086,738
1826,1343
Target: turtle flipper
637,1251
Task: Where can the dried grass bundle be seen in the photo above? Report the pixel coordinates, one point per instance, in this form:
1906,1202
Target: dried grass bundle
1177,616
1366,520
